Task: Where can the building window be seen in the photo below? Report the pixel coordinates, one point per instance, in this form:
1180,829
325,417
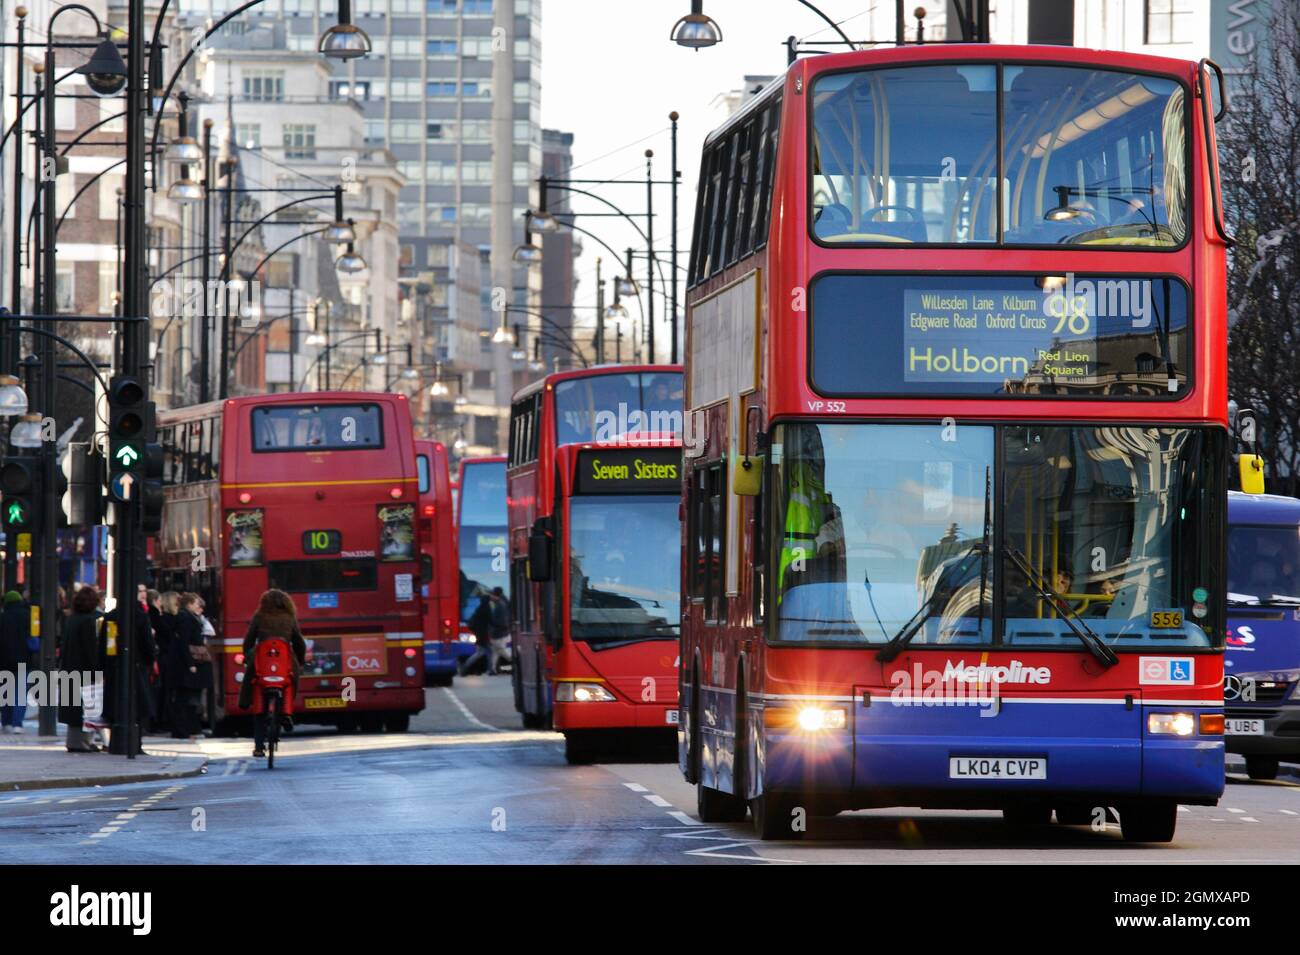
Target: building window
440,89
404,130
301,42
472,8
375,131
107,286
407,6
406,90
443,129
65,288
441,6
1170,21
65,187
343,89
248,135
108,186
299,141
265,86
405,48
441,49
408,215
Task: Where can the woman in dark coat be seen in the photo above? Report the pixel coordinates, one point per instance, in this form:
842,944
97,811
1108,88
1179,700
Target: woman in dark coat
15,657
186,674
79,652
276,617
162,615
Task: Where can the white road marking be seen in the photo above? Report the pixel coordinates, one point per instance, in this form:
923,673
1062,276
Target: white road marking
464,711
1183,809
684,819
1236,810
1287,812
1249,819
636,787
659,801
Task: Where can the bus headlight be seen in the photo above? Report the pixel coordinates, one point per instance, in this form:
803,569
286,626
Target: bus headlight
582,693
814,719
467,637
1171,724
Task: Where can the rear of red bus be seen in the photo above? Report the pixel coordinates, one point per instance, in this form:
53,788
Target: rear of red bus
439,563
319,498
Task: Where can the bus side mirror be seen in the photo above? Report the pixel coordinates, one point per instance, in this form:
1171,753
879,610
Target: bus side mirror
748,479
1251,467
539,552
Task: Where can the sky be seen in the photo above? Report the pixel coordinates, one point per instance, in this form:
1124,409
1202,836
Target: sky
611,75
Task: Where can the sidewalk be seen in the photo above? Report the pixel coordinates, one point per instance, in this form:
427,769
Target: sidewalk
29,761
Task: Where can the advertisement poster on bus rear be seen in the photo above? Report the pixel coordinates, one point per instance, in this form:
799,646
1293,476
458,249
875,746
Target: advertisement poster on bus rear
397,532
245,538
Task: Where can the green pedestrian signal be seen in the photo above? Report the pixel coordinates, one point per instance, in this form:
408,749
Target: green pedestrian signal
15,514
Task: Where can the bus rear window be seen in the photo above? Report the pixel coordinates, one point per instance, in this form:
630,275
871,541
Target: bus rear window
314,576
1098,336
317,427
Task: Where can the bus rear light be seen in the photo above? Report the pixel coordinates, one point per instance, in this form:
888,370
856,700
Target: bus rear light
1171,724
1211,724
239,659
409,653
244,497
428,510
582,693
395,493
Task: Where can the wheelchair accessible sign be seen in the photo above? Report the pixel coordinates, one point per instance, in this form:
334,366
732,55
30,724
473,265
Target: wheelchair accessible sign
1166,671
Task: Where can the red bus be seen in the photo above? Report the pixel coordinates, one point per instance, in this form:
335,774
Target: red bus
439,564
594,496
314,494
973,464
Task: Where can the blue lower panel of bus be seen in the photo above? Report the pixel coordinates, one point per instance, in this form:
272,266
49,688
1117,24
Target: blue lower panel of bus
1022,748
441,657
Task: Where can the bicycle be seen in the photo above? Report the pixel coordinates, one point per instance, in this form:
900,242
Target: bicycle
273,689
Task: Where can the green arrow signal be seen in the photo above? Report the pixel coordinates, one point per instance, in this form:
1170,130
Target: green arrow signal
127,455
15,512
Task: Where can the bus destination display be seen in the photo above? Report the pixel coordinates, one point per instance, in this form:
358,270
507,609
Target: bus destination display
994,336
630,469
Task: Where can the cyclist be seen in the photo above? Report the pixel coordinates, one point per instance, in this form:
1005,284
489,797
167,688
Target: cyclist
276,619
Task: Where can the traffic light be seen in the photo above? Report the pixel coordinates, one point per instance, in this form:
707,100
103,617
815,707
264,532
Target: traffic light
20,481
83,500
127,422
151,494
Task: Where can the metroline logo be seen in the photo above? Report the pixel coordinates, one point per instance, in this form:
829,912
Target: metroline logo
1015,672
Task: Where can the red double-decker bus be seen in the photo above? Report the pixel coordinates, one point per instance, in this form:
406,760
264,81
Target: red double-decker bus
439,564
314,494
956,325
594,487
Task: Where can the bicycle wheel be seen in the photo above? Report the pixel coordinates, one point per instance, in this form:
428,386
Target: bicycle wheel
272,729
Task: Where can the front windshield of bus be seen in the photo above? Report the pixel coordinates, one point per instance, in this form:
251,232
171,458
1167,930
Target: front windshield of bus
884,526
624,567
483,558
602,407
1263,565
911,154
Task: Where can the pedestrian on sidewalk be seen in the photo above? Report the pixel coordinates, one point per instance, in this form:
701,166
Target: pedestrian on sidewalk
15,657
164,632
79,652
187,668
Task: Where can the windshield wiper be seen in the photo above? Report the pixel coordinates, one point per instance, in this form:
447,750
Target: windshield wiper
1283,599
1087,636
894,646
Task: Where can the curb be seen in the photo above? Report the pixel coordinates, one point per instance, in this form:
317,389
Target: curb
86,782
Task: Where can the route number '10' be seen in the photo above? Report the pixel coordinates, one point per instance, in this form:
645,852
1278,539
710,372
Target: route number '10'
322,542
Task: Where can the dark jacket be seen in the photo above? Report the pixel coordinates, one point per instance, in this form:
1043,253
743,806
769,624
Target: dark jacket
480,621
500,617
80,650
164,631
264,627
182,671
15,628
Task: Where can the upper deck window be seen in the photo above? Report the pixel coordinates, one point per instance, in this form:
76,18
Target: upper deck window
602,407
1093,158
317,427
